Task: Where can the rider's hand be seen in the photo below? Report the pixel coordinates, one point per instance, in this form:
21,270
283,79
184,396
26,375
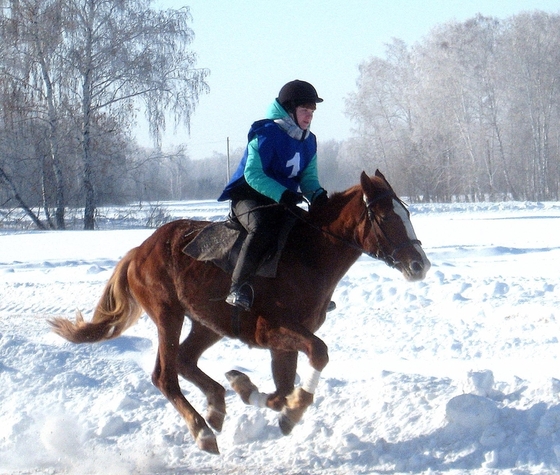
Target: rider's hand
291,199
320,198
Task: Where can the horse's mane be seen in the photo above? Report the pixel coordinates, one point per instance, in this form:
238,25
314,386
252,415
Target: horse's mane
325,214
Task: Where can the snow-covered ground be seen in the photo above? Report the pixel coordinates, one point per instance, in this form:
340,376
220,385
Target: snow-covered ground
456,374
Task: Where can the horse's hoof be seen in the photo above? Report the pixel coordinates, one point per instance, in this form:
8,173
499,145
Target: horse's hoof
241,384
231,375
206,441
296,405
215,418
286,425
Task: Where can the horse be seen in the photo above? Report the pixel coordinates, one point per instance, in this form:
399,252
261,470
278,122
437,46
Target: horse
159,279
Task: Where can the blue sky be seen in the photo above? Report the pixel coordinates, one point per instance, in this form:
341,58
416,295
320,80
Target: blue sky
254,47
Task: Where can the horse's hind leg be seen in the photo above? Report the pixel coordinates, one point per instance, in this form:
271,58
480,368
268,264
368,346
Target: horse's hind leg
199,340
165,377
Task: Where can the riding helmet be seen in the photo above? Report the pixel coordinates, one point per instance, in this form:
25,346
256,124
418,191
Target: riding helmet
297,93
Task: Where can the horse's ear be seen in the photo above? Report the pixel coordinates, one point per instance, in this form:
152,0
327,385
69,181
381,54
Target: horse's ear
365,181
380,175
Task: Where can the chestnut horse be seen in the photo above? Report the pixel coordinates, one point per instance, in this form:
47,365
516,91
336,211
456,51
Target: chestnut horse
159,279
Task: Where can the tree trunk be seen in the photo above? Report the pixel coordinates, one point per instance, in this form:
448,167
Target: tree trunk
53,149
44,196
89,208
19,199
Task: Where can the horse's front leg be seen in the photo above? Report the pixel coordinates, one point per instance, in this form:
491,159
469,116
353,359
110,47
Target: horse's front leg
285,341
295,337
299,400
284,365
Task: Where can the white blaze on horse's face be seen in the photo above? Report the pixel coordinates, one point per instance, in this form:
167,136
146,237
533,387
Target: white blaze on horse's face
419,273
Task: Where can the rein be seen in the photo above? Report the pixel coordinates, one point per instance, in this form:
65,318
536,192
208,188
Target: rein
388,259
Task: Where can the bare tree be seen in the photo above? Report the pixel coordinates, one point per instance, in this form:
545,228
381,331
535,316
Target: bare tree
81,69
119,52
31,32
45,37
472,111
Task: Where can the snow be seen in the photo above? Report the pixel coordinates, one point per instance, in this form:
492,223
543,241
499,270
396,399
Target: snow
455,374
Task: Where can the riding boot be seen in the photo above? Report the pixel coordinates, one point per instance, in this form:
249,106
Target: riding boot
241,295
255,248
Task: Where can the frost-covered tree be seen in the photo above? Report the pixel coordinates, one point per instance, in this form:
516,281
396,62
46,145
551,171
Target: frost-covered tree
120,52
81,70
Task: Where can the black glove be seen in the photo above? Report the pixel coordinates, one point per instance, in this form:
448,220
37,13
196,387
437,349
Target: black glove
291,199
320,197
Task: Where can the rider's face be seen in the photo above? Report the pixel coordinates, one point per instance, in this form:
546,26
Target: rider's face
304,115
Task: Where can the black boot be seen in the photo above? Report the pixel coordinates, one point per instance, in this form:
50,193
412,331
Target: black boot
241,296
252,253
263,223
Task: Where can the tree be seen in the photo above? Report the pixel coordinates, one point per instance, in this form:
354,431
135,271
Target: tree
120,52
31,32
470,112
81,69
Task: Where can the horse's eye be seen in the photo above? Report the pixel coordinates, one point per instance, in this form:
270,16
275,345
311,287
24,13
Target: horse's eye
385,216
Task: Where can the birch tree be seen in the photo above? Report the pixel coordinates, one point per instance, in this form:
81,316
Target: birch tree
32,34
120,52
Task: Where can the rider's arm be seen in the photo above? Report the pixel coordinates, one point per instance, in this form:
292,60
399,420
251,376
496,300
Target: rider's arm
255,175
309,182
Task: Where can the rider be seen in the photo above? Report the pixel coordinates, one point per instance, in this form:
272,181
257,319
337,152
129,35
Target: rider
279,166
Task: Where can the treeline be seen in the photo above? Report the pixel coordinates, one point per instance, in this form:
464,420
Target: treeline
470,112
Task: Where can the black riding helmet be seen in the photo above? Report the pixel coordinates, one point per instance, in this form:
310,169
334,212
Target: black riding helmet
297,93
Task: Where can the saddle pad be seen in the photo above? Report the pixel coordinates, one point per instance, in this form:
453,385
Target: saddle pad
221,242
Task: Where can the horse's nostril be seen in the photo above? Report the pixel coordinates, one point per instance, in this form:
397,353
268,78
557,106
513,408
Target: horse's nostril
416,267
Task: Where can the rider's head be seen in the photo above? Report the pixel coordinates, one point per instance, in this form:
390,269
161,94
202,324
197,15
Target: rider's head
301,94
297,93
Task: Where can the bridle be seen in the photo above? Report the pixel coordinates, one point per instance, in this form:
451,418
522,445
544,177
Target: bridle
389,259
375,221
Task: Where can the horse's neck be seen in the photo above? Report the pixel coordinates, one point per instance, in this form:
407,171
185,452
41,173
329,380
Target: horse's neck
342,216
339,224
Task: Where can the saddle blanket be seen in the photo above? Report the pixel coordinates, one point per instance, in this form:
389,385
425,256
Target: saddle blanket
220,243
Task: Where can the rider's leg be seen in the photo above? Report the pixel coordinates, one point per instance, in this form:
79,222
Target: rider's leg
262,220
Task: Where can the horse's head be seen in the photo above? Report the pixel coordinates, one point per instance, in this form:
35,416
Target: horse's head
388,233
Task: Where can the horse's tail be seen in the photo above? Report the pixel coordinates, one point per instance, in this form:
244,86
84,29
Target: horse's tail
116,311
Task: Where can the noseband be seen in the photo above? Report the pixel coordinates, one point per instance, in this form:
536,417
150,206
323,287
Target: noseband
389,259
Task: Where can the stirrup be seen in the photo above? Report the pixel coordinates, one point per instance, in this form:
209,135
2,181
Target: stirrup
241,297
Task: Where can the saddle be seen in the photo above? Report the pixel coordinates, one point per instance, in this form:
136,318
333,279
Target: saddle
220,243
